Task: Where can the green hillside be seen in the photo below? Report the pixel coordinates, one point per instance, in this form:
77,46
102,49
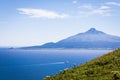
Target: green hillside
106,67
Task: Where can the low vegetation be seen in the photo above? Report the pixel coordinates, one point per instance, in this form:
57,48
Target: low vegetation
106,67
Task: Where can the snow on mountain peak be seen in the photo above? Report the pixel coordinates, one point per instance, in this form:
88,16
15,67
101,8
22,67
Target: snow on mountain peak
94,31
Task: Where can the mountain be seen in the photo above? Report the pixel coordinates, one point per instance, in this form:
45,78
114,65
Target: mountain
89,39
106,67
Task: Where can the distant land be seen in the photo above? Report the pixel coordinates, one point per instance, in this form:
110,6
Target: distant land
90,39
106,67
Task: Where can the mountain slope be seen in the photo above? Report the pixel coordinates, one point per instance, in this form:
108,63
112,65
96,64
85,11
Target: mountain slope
89,39
106,67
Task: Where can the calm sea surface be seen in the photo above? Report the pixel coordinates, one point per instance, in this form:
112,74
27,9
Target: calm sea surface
18,64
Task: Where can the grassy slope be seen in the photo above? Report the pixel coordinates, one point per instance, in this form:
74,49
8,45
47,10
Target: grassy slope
101,68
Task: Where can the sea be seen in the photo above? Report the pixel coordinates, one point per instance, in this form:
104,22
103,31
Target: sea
20,64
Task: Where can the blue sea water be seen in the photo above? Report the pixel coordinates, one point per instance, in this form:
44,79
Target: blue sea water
17,64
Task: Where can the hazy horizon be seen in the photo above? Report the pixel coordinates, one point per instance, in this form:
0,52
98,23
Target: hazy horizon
35,22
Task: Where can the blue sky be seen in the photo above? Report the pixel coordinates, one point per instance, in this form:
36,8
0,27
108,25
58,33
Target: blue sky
35,22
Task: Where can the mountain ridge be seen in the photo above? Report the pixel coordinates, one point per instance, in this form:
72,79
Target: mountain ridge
90,39
93,30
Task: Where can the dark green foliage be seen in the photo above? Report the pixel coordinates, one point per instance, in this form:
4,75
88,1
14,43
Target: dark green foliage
106,67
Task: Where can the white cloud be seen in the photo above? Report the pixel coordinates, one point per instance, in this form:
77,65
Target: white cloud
101,11
95,12
113,3
89,10
104,7
74,1
41,13
87,6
